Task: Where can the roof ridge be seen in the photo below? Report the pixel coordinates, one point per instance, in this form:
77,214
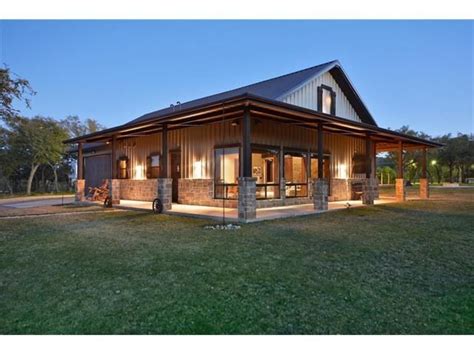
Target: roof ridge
280,76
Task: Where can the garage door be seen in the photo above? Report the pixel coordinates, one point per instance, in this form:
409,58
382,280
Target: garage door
96,169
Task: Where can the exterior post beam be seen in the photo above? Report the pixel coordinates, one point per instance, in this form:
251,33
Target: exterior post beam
80,162
164,152
320,151
114,157
368,157
423,164
400,160
246,144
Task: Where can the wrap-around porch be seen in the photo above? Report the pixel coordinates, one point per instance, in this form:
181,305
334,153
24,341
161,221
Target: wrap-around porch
256,159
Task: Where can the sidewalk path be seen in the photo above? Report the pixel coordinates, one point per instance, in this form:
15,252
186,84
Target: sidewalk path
35,201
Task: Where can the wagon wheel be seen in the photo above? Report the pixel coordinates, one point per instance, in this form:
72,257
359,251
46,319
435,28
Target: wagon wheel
108,202
157,206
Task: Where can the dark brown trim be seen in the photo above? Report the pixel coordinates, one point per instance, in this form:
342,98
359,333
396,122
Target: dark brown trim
246,145
80,162
320,151
164,151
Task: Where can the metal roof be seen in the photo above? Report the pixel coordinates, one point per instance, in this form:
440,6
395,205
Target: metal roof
275,89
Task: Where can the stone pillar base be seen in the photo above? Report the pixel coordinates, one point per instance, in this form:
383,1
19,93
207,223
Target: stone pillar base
369,190
247,206
283,190
80,190
320,194
424,188
165,186
400,192
114,191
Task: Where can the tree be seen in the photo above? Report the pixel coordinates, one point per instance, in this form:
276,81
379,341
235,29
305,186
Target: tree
40,141
12,88
75,127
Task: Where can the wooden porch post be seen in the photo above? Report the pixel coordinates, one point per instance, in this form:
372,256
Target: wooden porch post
423,164
320,151
246,145
424,185
368,158
400,192
114,157
80,162
400,160
164,151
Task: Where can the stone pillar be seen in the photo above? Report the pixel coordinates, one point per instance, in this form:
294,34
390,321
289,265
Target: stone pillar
114,191
165,186
247,207
283,190
400,192
424,188
320,194
80,190
368,191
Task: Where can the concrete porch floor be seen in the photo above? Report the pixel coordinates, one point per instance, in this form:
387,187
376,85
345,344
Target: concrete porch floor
215,213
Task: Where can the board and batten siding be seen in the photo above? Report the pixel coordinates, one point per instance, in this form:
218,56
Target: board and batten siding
307,96
197,145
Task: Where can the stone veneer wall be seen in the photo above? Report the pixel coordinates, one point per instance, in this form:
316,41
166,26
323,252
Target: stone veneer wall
200,192
140,190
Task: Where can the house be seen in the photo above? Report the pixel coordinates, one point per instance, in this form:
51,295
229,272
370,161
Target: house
302,138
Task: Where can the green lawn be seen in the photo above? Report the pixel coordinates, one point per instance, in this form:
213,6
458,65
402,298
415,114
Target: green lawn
394,269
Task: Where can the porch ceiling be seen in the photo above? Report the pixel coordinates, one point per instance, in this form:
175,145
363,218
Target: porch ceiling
259,107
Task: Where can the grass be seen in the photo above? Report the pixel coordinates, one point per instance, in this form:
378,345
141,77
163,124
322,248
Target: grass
393,269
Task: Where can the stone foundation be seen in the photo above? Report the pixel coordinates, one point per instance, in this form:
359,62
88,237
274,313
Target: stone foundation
369,191
320,194
114,191
80,190
164,189
424,188
139,190
247,207
340,189
400,191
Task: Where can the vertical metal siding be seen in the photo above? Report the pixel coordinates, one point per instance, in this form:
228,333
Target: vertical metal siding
307,97
197,144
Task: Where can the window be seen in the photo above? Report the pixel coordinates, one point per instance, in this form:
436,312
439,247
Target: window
226,173
314,167
153,166
266,168
123,168
296,175
326,100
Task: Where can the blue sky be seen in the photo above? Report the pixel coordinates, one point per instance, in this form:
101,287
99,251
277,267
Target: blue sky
418,73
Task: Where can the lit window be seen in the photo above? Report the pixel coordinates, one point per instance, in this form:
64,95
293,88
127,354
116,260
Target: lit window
226,173
327,100
153,166
265,168
296,174
123,168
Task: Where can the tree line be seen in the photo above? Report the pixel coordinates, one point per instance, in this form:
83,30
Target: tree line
32,154
454,162
34,158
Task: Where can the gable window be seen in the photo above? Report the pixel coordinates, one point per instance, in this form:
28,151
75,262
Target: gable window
326,100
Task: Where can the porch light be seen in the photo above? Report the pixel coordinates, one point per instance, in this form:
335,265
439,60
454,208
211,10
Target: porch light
433,162
139,172
197,169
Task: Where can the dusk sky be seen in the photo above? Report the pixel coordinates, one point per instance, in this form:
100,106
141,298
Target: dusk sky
416,73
